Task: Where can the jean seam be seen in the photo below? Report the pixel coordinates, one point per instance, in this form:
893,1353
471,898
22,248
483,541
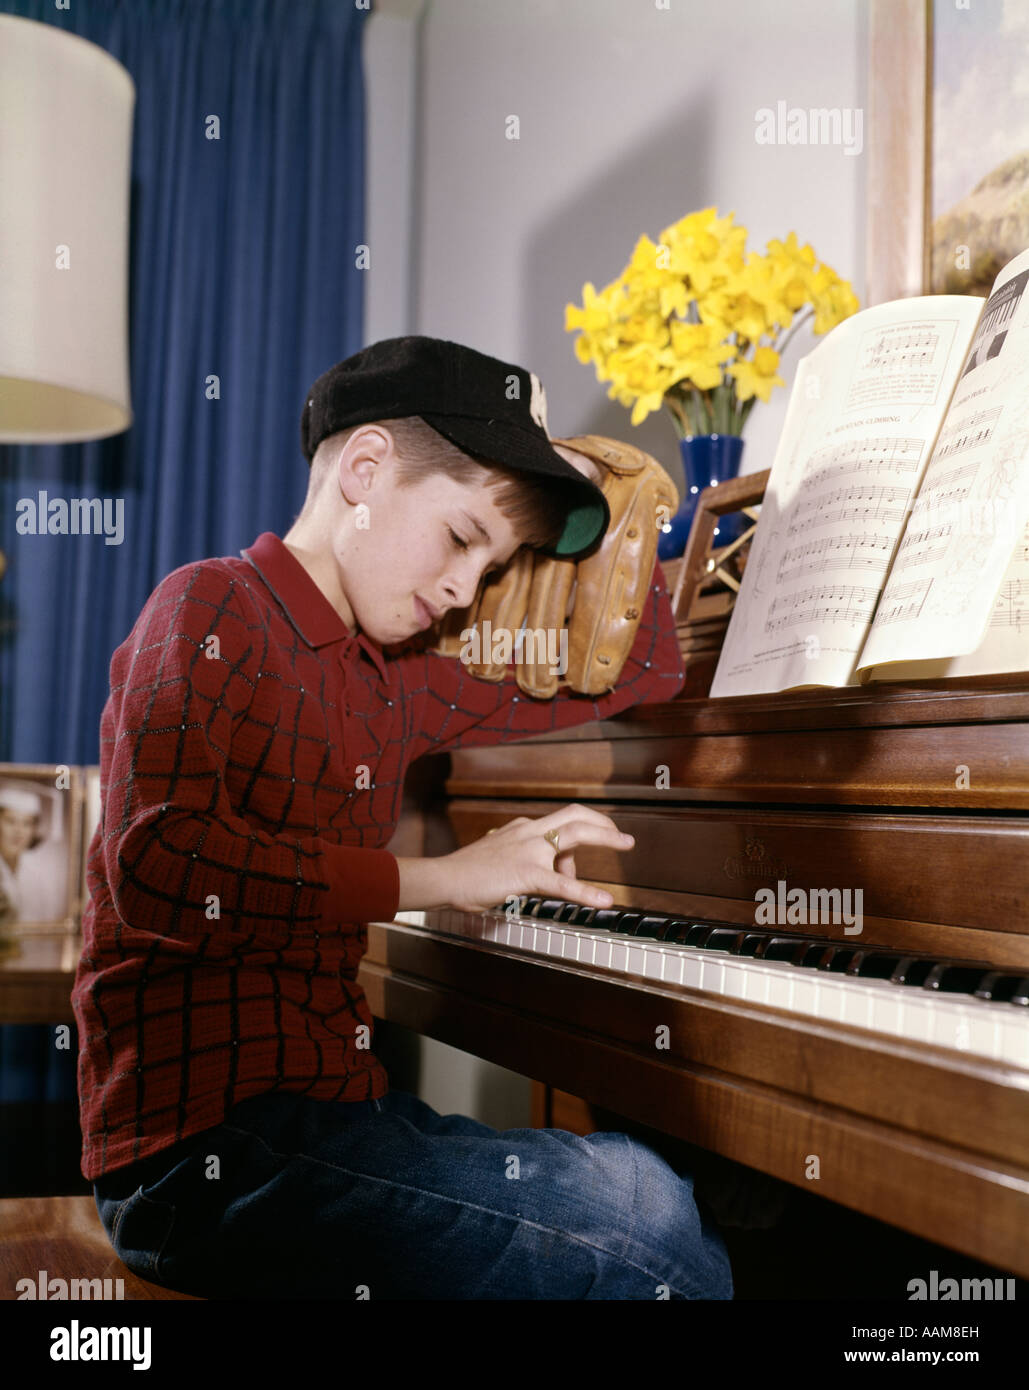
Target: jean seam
150,1260
119,1216
457,1201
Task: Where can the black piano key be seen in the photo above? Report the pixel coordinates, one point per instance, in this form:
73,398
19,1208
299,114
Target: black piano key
814,956
913,970
522,907
548,908
698,933
725,939
836,959
873,965
653,925
582,916
782,948
1004,988
607,917
676,931
566,912
955,978
752,942
627,923
529,905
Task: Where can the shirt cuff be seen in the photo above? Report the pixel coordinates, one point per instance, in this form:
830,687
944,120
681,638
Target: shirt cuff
364,885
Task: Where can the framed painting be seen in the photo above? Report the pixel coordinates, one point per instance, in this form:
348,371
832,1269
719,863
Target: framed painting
948,146
40,847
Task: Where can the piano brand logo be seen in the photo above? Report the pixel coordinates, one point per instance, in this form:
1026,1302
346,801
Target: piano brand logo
800,906
755,863
975,1290
499,646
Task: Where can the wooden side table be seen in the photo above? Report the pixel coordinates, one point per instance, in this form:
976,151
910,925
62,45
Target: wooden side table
36,979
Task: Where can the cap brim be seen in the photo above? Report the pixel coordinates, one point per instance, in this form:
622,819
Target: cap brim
588,515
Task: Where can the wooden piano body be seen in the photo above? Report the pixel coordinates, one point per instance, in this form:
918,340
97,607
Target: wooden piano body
918,795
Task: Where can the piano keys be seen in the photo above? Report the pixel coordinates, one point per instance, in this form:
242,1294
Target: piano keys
970,1008
896,1058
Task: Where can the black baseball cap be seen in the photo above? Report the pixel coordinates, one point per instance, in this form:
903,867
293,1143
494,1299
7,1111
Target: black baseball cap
493,410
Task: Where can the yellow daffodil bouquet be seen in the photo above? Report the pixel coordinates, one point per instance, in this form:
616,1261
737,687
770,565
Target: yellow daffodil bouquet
698,324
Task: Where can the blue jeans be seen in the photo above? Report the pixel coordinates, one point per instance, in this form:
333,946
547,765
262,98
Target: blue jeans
297,1198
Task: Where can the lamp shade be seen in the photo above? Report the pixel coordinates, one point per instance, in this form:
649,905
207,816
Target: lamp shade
65,157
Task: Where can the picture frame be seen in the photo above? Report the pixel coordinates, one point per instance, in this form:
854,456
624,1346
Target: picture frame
90,821
41,806
899,145
935,171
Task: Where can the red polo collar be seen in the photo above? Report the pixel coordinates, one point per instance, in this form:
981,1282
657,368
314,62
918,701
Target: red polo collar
304,604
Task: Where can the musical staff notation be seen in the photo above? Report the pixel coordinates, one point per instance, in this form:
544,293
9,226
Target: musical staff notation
942,480
1011,608
931,533
860,502
865,456
866,551
904,601
833,603
968,433
902,350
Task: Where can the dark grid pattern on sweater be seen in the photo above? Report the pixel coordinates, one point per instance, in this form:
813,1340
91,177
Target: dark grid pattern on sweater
233,776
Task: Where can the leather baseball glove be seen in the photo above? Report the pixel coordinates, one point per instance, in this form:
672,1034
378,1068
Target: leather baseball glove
595,602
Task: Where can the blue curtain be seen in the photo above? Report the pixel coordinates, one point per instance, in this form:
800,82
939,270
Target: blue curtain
242,268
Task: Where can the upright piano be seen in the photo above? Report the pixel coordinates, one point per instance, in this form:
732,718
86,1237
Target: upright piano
887,1068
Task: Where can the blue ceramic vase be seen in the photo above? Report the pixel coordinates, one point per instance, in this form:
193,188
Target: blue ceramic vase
706,459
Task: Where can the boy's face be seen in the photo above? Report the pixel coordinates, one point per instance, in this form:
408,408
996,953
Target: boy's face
416,551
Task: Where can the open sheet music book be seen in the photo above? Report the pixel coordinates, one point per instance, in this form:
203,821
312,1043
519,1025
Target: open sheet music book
893,540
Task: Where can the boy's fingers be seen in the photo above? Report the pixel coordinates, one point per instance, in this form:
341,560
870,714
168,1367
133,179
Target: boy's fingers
575,811
573,890
575,833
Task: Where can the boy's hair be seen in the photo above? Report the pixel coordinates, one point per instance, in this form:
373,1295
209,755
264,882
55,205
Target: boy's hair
530,505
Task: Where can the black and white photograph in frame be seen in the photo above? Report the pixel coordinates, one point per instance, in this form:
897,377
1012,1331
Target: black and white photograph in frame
90,821
40,844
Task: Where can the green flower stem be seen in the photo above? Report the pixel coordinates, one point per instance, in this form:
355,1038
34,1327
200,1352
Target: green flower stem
675,406
709,412
797,323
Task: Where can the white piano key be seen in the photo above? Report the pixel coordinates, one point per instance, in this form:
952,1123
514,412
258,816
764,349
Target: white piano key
883,1010
1016,1042
979,1027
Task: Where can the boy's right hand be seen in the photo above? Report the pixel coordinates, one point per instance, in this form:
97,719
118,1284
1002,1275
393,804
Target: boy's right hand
516,860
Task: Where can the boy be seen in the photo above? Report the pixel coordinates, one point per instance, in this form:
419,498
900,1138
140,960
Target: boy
241,1136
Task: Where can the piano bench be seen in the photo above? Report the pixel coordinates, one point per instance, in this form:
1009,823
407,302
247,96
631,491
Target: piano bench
46,1239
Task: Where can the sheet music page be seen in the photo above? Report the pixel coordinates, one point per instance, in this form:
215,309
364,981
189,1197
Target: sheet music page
864,411
971,511
1005,646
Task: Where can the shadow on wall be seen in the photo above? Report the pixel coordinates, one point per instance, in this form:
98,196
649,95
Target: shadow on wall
658,181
